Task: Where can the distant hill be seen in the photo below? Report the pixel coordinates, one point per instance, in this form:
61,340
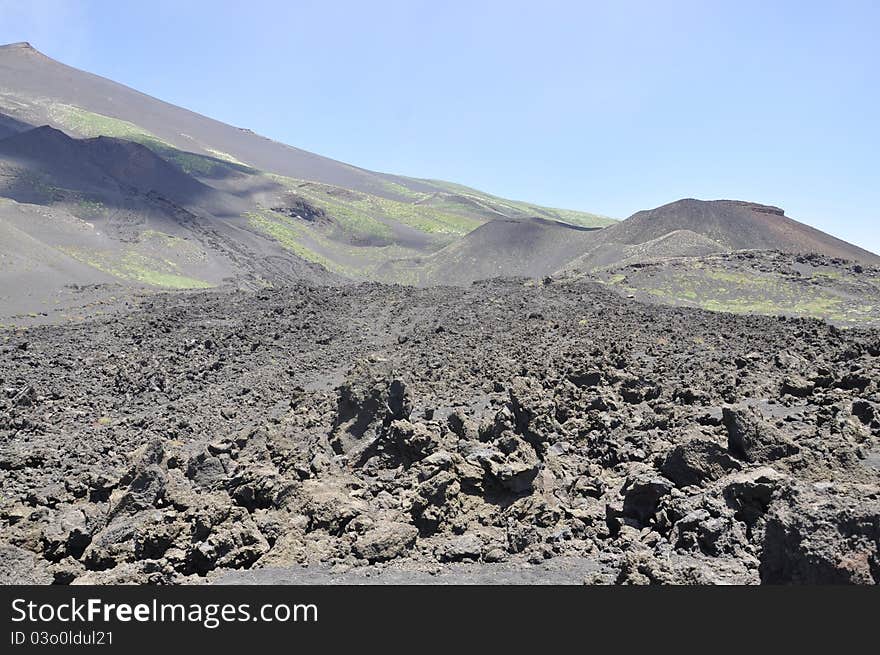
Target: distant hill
733,256
686,228
531,247
698,227
735,225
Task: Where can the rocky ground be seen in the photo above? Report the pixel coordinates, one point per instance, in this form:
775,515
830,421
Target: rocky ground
372,430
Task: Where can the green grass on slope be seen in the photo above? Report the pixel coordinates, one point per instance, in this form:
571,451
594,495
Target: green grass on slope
133,266
746,292
354,221
311,245
289,233
360,213
517,208
358,210
89,124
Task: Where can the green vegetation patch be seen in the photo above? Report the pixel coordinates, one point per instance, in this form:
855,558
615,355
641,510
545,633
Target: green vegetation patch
361,214
90,124
146,270
136,267
289,234
338,203
749,292
520,209
89,208
225,156
310,244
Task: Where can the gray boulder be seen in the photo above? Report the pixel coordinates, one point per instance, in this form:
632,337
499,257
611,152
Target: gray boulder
21,567
642,492
751,438
823,533
385,540
467,547
696,461
67,534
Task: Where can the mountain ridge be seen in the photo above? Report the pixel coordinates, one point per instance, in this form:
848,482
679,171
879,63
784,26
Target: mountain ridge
196,131
732,224
158,196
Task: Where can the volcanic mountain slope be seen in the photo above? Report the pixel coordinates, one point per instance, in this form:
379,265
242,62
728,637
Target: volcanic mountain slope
501,248
104,210
112,168
39,90
680,230
375,217
729,224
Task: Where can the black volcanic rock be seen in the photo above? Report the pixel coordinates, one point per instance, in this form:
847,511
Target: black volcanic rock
751,438
696,461
822,534
127,469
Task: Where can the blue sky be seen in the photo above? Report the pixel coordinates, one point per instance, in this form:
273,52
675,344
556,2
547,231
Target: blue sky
609,107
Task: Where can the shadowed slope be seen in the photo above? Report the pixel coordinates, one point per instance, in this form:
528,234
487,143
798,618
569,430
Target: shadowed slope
37,90
102,163
32,74
89,211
